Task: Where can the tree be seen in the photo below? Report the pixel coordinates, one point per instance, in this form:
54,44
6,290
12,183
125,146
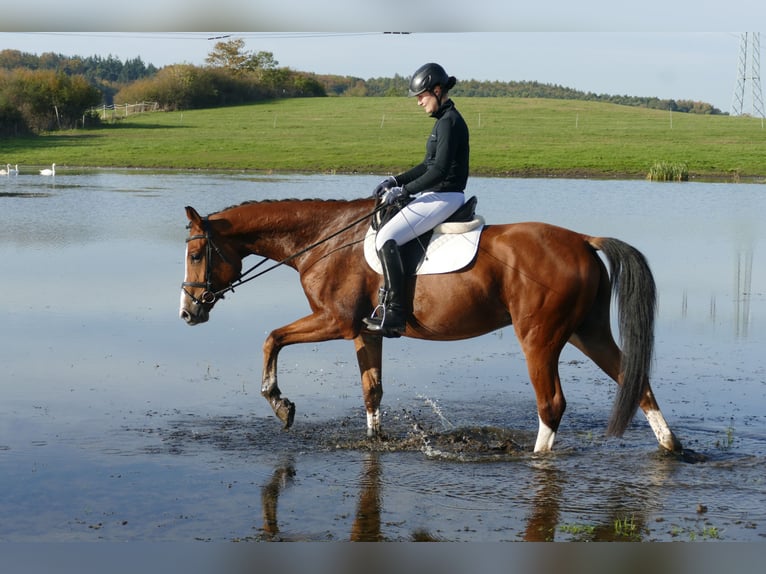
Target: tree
12,123
307,86
261,61
232,56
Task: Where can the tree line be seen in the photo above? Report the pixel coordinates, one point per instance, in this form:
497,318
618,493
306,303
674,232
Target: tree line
397,86
53,91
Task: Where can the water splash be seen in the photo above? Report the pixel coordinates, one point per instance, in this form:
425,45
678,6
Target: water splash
446,424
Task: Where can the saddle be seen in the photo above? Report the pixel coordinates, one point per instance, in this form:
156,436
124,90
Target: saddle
466,212
449,246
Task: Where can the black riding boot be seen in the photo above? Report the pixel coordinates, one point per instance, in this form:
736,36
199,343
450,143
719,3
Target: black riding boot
388,318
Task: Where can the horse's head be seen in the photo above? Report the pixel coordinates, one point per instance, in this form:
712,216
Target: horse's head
212,265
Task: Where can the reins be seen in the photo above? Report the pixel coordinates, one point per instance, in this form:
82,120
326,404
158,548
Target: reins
211,296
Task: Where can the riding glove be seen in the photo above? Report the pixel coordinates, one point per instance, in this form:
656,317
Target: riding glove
384,186
391,195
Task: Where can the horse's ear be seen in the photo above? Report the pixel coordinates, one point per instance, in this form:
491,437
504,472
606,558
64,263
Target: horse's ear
193,216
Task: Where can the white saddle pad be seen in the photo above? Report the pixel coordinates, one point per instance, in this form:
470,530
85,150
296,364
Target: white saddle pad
453,246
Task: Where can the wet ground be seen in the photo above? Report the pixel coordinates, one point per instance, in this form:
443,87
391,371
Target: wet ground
444,472
120,423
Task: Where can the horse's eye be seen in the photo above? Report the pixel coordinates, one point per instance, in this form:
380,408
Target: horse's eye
196,257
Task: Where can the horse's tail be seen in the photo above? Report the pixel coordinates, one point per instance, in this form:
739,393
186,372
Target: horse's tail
634,289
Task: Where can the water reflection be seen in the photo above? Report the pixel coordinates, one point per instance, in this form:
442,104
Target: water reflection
605,510
742,293
281,478
741,297
366,526
543,516
743,276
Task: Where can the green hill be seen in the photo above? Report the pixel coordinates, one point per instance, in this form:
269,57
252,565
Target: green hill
509,137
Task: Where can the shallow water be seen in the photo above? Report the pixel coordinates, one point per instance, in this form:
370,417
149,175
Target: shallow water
119,422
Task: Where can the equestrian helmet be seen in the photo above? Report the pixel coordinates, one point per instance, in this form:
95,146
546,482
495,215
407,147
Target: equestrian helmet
427,77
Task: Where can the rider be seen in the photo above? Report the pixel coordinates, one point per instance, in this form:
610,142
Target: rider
435,185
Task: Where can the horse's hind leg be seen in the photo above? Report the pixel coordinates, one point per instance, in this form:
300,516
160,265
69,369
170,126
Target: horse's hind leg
369,354
657,421
598,344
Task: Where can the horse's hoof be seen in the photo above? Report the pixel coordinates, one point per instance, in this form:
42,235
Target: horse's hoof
286,412
672,444
376,436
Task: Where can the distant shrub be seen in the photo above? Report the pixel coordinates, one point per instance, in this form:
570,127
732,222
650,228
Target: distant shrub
184,86
41,100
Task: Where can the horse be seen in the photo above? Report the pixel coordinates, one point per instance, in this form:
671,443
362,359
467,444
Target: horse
546,281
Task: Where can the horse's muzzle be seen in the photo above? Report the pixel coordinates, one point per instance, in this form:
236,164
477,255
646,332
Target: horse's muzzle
193,312
199,315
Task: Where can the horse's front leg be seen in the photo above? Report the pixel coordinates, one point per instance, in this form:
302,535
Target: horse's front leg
282,407
369,354
309,329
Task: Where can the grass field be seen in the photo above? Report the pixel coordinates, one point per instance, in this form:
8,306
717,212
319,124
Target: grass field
509,137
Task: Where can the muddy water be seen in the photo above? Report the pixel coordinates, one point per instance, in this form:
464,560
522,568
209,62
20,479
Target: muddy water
119,422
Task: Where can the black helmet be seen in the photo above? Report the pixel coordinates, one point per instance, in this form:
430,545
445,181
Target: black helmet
427,77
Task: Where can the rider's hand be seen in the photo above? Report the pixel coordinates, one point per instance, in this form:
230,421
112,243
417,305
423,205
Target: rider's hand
384,186
391,195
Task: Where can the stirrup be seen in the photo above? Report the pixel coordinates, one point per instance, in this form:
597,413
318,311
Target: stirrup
376,323
377,318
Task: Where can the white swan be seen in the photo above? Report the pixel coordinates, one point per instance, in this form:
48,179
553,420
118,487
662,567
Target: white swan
14,171
51,171
7,169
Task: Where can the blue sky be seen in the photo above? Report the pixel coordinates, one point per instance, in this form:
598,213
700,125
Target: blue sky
651,49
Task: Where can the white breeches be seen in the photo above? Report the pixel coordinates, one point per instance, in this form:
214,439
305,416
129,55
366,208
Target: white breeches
422,214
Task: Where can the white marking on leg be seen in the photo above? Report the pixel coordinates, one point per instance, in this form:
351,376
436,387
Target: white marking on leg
268,382
373,422
545,437
662,431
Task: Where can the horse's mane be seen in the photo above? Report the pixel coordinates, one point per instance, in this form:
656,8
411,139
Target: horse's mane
289,200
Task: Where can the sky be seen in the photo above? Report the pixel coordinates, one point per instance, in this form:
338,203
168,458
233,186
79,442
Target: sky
658,50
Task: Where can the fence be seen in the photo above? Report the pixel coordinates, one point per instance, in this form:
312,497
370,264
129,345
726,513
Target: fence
116,111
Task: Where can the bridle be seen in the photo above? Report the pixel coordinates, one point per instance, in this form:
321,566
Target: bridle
209,296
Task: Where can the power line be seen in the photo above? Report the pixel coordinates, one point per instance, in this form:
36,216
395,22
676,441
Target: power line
208,35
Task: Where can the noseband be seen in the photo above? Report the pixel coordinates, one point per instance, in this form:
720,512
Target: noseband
208,296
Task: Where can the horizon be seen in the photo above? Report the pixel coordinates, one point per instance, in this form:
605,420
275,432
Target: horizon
555,85
700,67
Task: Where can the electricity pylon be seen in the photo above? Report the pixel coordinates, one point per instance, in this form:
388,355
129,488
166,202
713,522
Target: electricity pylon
753,40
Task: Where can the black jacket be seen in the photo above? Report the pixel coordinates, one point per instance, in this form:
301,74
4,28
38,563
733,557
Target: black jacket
445,167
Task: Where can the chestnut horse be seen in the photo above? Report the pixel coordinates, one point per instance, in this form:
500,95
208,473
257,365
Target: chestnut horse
546,281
